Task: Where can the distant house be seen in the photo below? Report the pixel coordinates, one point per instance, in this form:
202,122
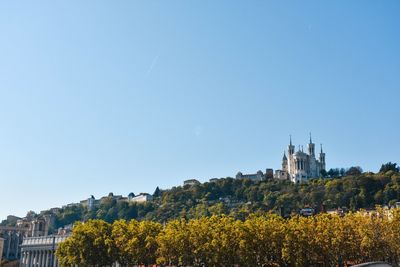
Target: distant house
281,175
191,182
71,205
110,196
142,197
213,180
90,203
269,173
259,176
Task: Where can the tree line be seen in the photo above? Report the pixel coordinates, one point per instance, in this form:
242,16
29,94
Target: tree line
259,240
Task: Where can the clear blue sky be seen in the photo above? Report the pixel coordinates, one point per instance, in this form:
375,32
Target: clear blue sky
124,96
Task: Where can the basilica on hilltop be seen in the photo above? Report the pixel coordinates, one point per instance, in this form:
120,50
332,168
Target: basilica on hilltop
299,166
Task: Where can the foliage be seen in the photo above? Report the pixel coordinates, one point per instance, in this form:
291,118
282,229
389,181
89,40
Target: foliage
354,171
89,245
240,197
389,167
260,240
135,241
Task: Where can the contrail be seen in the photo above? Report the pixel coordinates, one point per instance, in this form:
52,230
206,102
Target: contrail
153,64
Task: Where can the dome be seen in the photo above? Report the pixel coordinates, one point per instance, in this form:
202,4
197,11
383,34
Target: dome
300,154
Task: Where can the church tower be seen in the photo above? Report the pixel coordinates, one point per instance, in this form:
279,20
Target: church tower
311,148
284,162
322,159
290,147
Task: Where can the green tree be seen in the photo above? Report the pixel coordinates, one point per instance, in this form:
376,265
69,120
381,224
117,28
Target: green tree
89,245
389,167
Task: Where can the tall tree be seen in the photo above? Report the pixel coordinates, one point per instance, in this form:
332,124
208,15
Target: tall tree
89,245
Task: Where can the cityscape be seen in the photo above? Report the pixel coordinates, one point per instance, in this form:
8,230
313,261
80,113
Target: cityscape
199,133
33,239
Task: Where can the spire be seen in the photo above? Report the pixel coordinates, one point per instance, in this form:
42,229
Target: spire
284,155
290,139
310,138
321,149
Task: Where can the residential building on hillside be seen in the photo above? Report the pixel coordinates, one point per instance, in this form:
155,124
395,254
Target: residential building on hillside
191,182
110,196
258,176
142,197
90,203
269,174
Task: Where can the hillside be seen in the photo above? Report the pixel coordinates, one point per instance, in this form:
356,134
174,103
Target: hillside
239,197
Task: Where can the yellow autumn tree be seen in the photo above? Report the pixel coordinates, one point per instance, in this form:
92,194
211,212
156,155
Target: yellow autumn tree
89,245
200,238
174,247
262,241
136,242
225,243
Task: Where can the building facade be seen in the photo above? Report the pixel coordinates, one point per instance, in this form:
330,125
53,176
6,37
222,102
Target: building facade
258,176
191,182
141,198
14,235
40,251
299,166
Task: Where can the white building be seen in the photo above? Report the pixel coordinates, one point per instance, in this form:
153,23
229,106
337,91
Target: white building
259,176
191,182
142,198
300,166
90,203
39,251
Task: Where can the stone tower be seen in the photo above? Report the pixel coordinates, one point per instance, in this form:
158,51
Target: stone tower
322,159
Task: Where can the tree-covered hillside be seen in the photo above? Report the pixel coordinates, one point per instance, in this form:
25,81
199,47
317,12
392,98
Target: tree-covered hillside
240,197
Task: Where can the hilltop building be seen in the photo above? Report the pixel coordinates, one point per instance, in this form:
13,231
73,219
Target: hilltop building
191,182
91,203
258,176
141,198
299,166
